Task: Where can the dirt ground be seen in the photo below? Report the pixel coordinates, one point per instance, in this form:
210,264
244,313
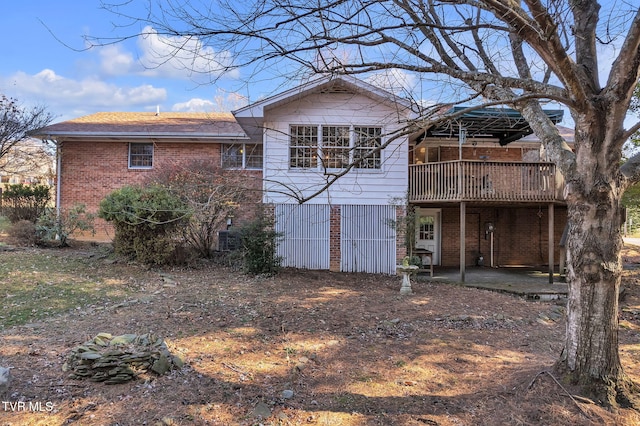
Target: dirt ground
311,348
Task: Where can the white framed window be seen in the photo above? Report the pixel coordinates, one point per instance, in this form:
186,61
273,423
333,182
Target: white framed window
426,227
336,143
141,155
303,147
241,156
336,146
366,150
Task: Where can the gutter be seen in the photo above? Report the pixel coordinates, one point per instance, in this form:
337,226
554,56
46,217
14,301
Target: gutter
181,135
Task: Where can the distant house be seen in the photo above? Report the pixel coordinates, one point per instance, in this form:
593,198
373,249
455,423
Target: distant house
29,162
481,177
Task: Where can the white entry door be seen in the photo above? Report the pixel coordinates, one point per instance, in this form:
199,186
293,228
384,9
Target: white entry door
428,232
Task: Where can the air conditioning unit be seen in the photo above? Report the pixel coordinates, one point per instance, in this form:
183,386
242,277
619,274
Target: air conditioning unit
228,240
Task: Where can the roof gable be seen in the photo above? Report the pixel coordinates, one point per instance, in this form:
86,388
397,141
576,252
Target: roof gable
327,84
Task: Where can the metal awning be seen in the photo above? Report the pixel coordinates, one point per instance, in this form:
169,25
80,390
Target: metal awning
502,124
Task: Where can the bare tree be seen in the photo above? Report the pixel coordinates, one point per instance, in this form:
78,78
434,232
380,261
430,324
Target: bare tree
211,194
16,124
492,52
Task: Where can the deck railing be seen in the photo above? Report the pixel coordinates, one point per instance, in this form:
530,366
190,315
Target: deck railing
467,180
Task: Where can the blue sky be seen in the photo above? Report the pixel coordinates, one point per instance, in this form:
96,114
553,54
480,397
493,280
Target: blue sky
37,69
43,62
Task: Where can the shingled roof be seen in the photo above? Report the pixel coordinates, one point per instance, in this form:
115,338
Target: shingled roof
147,124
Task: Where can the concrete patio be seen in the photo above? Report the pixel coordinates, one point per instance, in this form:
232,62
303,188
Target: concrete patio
530,283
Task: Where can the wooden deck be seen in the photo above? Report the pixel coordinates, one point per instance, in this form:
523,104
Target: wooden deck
467,180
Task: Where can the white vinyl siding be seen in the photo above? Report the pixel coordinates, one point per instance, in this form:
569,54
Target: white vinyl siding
292,173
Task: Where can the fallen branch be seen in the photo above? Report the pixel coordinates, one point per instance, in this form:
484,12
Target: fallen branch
237,370
561,387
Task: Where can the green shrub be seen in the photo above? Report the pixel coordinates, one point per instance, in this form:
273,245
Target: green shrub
258,248
146,220
25,202
54,226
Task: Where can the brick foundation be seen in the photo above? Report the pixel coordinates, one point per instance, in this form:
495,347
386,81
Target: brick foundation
335,255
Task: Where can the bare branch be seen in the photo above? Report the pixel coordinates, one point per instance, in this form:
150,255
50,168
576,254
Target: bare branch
17,123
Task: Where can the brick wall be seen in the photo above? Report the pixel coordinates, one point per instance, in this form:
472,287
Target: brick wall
401,246
92,170
521,235
450,153
335,253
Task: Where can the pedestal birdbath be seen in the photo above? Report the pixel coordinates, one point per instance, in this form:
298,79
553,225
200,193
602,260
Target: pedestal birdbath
406,270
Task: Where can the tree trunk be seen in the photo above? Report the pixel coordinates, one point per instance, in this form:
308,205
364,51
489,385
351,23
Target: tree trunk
590,357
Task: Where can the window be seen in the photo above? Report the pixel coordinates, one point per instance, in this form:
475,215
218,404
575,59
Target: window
239,156
339,146
335,146
232,156
303,148
253,156
426,230
140,155
367,139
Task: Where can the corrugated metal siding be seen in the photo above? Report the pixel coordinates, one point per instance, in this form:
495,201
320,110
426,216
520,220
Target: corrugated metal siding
305,235
368,239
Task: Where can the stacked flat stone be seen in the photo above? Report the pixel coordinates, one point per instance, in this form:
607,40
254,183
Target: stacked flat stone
5,379
119,359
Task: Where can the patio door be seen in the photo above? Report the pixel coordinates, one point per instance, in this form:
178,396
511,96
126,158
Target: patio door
428,232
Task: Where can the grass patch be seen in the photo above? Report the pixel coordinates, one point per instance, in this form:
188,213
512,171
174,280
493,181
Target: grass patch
5,223
39,284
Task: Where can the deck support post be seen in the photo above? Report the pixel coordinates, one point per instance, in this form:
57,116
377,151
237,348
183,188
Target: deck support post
463,232
551,243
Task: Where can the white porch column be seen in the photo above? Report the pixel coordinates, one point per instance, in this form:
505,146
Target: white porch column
551,243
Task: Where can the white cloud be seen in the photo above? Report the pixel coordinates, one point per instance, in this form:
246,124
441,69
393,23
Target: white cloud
181,57
222,102
115,61
159,56
396,81
194,105
61,95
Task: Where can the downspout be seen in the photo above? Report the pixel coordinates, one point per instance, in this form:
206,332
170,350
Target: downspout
58,179
58,169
